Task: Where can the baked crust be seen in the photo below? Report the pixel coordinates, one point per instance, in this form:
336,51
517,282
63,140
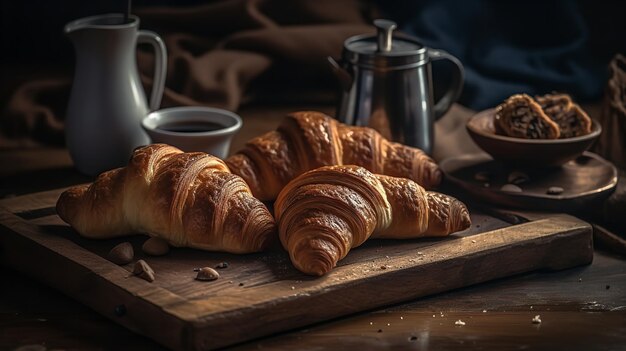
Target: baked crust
520,116
188,199
571,119
306,140
325,212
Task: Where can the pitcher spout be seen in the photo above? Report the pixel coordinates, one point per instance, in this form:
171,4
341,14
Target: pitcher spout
111,21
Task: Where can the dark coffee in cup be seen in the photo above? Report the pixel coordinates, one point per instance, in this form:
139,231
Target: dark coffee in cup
190,126
193,128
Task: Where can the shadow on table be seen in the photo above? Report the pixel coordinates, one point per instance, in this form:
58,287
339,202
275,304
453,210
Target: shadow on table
43,180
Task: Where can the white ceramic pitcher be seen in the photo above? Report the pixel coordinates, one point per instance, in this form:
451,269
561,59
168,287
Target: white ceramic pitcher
107,101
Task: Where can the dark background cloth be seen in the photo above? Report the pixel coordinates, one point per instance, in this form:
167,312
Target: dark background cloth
275,50
32,30
509,47
506,46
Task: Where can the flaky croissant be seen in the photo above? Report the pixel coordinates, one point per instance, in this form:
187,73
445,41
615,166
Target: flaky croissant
308,140
325,212
188,199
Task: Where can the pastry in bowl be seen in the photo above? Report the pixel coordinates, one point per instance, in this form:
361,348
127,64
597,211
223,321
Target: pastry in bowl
524,151
520,116
571,119
551,116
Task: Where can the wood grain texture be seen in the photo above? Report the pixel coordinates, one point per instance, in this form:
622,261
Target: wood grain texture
262,294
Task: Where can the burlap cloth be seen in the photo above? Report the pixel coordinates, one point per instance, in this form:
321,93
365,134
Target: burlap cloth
612,142
612,145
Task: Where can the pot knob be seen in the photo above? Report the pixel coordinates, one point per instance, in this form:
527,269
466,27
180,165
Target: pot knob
384,34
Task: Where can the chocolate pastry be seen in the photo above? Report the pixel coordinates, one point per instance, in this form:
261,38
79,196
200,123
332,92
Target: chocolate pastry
572,120
520,116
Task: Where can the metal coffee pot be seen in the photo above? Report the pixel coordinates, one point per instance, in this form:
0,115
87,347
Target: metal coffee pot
387,85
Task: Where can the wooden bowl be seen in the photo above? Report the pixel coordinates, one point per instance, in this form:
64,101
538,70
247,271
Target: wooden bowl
527,152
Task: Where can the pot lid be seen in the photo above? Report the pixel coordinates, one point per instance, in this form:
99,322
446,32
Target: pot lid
386,48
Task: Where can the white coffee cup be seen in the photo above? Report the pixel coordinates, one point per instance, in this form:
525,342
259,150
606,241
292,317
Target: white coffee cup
193,128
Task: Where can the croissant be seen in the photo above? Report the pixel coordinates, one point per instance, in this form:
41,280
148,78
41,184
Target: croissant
188,199
325,212
308,140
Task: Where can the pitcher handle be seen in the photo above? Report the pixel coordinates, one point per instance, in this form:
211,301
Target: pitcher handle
160,65
454,91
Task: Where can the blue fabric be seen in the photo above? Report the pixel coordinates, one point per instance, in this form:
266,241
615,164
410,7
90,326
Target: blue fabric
507,47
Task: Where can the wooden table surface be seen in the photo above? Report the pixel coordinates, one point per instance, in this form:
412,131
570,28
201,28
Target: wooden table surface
582,308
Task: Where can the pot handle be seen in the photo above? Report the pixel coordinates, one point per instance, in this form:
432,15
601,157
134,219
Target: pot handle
160,65
454,91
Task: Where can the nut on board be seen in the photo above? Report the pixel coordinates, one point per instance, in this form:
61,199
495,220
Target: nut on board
155,247
207,274
121,254
143,270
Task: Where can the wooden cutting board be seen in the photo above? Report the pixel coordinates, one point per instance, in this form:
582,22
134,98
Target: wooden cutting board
262,294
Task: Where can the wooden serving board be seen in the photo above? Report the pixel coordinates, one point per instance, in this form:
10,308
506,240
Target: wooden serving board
262,294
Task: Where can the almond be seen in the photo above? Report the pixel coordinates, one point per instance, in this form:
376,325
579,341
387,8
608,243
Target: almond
155,247
554,190
207,273
121,254
511,188
143,270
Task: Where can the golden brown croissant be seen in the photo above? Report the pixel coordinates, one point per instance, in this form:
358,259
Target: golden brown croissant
308,140
325,212
188,199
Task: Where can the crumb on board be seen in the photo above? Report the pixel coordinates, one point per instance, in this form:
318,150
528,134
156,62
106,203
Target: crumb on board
222,265
536,319
459,323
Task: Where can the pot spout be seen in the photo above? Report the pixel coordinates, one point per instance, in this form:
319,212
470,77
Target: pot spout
344,77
